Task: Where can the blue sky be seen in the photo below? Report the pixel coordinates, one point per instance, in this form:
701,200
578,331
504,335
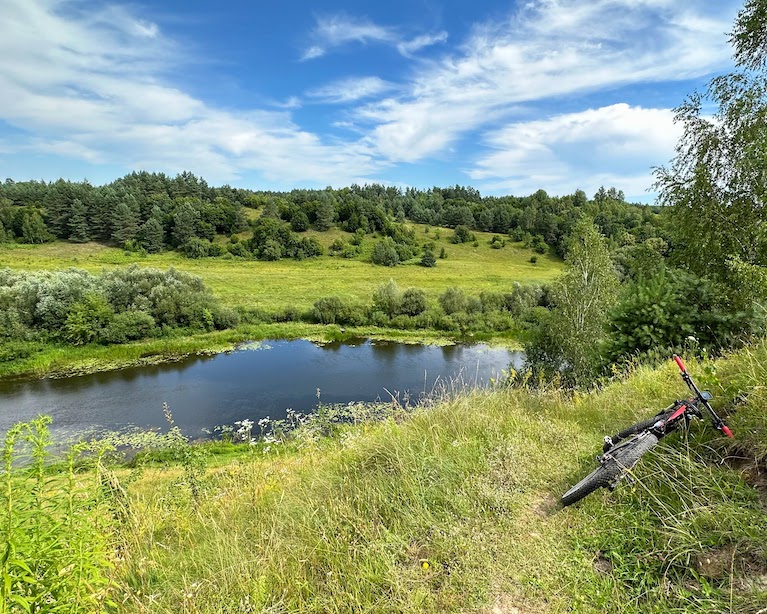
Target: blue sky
508,97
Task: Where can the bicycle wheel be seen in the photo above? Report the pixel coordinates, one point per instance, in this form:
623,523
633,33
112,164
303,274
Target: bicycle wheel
622,458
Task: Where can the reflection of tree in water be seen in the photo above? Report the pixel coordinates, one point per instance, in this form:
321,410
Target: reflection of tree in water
211,390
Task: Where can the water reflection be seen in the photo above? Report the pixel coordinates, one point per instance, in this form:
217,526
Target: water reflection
206,391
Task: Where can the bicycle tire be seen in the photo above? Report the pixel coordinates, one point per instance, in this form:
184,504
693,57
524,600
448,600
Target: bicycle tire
623,458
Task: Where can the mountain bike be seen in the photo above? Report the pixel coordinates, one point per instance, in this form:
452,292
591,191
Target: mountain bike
622,451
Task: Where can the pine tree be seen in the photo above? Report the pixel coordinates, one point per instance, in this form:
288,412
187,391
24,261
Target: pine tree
124,224
152,236
79,226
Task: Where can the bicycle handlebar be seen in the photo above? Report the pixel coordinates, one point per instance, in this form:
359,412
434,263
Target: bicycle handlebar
718,422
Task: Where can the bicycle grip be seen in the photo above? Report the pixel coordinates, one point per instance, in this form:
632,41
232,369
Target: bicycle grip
727,431
680,364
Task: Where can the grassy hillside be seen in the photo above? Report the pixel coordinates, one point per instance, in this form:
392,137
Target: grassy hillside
454,509
274,285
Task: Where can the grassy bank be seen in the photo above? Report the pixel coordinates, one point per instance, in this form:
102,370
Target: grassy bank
454,509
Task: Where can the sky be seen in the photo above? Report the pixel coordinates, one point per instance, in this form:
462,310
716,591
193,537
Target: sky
508,97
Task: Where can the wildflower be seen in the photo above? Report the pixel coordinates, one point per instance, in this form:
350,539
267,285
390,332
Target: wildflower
425,564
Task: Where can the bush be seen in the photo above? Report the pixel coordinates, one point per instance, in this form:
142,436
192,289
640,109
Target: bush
225,317
128,326
452,300
240,250
385,253
428,259
87,319
387,298
196,248
329,310
299,222
462,235
413,302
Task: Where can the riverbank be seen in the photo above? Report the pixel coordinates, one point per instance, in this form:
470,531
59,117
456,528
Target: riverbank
36,359
450,508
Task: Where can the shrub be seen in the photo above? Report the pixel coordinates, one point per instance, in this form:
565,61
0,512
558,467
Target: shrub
87,319
329,310
428,259
225,317
196,248
443,253
299,222
270,251
240,250
128,326
413,302
385,253
462,235
387,298
452,300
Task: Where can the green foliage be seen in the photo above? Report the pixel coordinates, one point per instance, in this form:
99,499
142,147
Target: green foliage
428,260
124,224
462,235
33,228
79,225
87,319
196,248
387,298
452,300
413,302
152,236
715,184
668,309
128,326
385,253
56,531
113,307
567,340
330,310
299,222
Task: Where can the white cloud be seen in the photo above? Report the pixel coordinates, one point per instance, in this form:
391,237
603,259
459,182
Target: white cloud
409,47
92,84
549,49
350,89
583,150
339,30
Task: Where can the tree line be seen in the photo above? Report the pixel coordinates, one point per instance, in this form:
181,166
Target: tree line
154,212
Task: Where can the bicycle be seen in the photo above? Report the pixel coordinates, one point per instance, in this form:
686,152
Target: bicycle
621,452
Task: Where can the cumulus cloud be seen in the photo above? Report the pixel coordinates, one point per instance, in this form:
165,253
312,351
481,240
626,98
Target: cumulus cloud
549,49
585,150
95,85
335,31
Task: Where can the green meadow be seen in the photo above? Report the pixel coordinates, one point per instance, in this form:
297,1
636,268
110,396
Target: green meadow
289,283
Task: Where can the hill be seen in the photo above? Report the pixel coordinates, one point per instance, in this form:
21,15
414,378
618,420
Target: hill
453,508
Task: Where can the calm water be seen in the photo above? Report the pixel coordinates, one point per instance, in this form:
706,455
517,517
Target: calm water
207,391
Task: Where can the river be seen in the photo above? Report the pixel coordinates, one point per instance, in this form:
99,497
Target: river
264,380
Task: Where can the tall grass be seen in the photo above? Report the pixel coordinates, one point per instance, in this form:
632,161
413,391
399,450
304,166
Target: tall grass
57,536
453,508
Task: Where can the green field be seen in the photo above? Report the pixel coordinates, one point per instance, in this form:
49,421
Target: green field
274,285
